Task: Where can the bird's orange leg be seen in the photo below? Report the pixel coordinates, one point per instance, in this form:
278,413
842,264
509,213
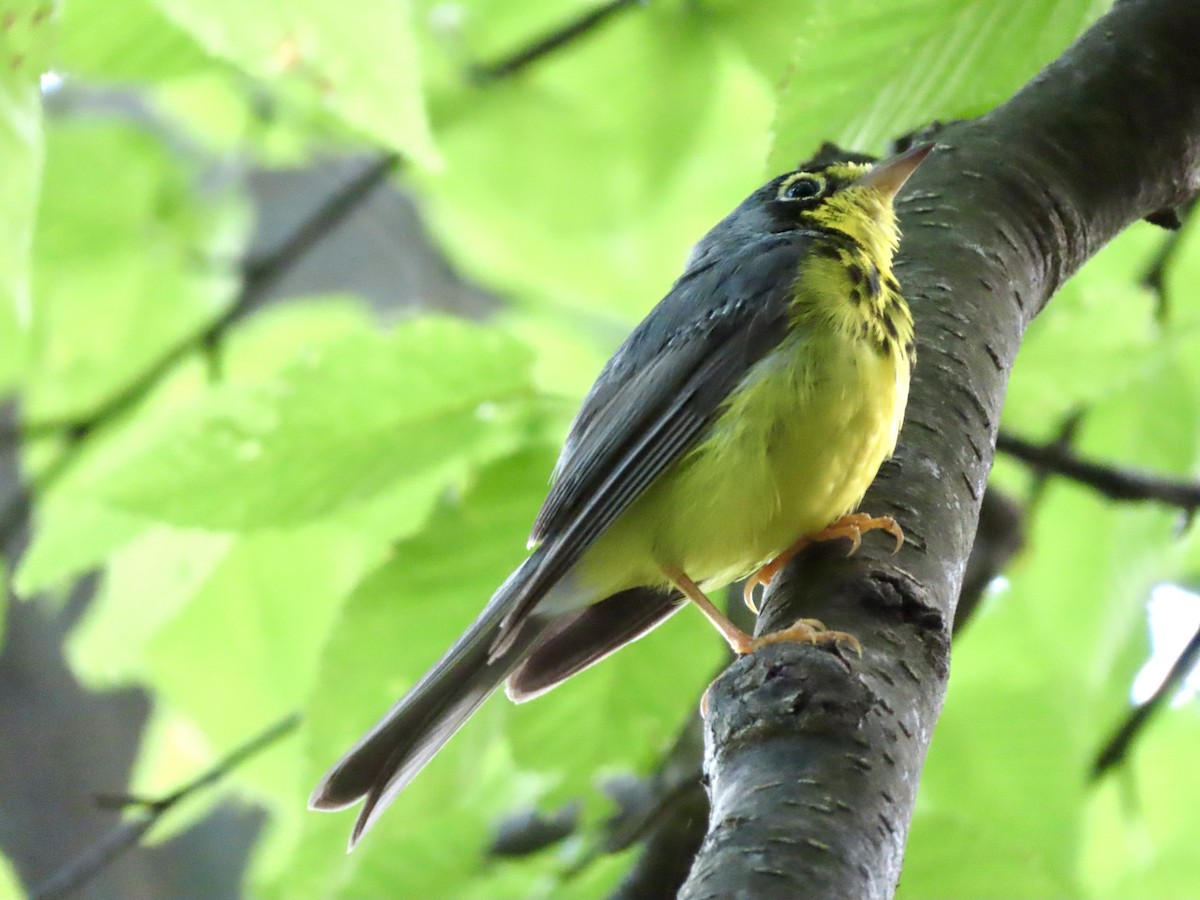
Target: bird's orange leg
853,526
808,631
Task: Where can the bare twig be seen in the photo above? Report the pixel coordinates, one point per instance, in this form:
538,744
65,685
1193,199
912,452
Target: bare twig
1110,481
259,275
1117,747
999,537
80,870
1063,439
1155,276
547,44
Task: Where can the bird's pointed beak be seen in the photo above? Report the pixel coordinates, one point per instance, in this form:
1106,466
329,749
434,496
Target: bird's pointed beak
890,176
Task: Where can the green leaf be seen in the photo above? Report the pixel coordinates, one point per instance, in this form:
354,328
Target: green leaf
72,536
267,604
613,182
24,40
146,585
121,262
396,625
10,885
868,72
1143,819
442,857
138,45
268,344
764,31
351,420
239,651
1096,337
76,532
1182,303
359,60
999,748
1043,672
622,715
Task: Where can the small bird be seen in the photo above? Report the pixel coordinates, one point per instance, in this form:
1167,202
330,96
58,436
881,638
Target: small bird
749,411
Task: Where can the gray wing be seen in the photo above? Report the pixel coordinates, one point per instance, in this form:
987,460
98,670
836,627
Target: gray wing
660,392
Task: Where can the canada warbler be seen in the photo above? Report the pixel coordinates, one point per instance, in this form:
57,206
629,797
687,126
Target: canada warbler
749,411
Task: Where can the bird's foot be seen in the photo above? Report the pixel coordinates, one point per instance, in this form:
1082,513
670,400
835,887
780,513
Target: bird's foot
808,631
855,525
852,526
803,631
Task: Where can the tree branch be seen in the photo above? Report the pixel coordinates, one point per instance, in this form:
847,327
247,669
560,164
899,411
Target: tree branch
1110,481
813,762
1117,747
126,835
669,822
522,59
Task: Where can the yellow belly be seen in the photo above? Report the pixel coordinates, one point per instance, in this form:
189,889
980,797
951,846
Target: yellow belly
795,449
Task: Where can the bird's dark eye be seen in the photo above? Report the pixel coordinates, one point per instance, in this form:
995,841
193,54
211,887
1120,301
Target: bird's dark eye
802,187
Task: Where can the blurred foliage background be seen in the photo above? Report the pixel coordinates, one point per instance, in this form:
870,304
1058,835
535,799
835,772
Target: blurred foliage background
296,302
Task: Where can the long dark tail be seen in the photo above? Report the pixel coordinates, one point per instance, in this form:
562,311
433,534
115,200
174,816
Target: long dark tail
390,755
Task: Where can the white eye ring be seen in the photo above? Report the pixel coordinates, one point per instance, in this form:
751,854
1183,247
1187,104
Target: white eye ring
802,187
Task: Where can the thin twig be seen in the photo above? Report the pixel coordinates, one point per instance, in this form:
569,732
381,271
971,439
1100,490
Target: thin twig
1111,481
1117,747
544,46
1063,439
95,859
999,536
258,276
1155,276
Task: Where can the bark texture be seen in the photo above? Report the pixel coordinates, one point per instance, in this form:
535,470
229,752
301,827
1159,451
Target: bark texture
812,761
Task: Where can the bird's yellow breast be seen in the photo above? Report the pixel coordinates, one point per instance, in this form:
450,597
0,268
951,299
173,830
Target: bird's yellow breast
794,448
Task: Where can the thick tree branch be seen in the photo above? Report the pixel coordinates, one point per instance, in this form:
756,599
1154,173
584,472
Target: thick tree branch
79,871
669,823
1110,481
813,761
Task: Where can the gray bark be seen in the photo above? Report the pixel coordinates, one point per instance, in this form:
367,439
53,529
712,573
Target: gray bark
813,761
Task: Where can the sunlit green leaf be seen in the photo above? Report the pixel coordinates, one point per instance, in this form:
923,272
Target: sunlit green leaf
72,537
612,181
147,584
359,59
623,714
1043,672
392,629
338,427
23,47
1097,336
868,72
10,885
140,43
122,262
240,653
1143,819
